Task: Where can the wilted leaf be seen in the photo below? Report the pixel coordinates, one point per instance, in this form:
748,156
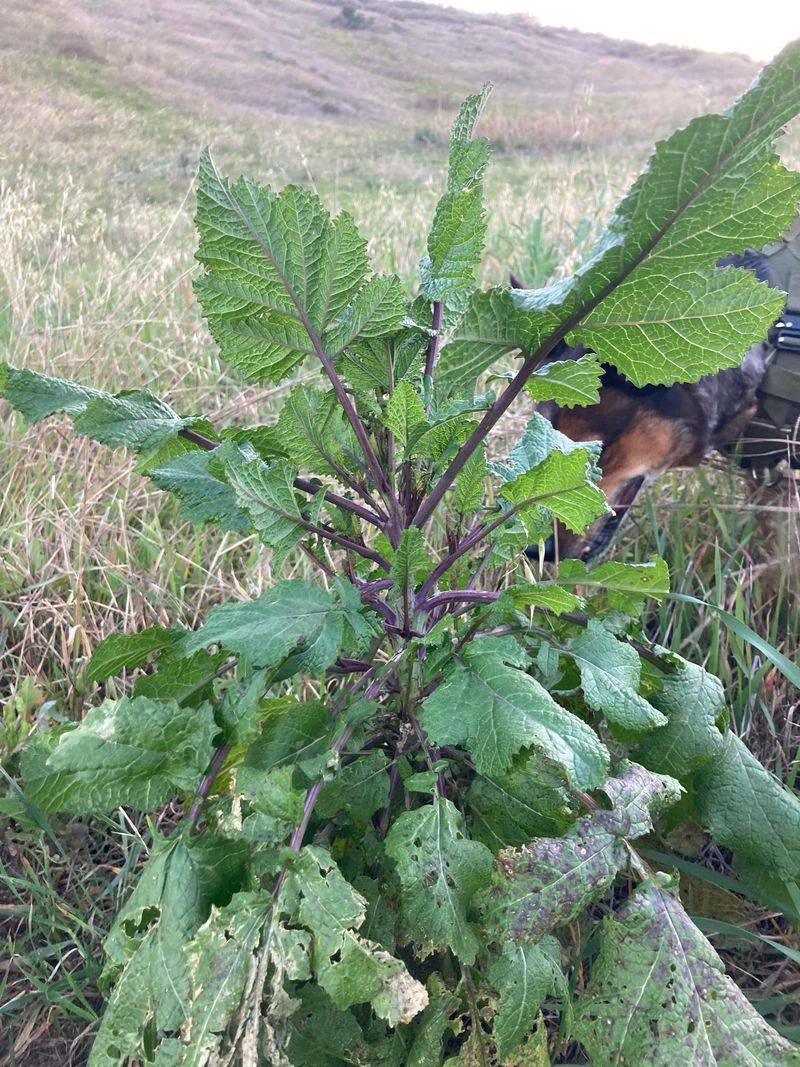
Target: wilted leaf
548,883
659,994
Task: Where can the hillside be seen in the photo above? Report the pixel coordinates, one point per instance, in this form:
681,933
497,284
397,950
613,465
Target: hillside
376,64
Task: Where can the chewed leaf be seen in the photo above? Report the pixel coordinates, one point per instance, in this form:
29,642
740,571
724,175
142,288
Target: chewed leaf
659,994
440,870
547,883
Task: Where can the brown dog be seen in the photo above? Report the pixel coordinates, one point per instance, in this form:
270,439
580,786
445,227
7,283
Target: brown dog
646,431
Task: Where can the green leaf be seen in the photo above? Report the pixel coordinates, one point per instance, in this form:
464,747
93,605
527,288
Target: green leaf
711,189
569,382
659,994
131,751
312,430
328,904
243,707
205,497
291,733
562,485
277,803
360,789
266,492
412,561
749,811
404,412
488,704
694,704
457,234
470,483
292,617
523,975
134,419
37,396
377,311
492,327
610,676
145,947
627,584
321,1035
551,597
181,677
549,882
118,651
530,800
279,274
440,870
658,329
538,441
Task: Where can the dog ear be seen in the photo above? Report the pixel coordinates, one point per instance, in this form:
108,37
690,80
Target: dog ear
514,282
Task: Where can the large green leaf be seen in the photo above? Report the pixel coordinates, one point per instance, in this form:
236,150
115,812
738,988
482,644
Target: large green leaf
549,882
694,704
659,994
750,811
280,273
457,234
440,870
292,617
695,323
490,705
132,751
649,298
610,676
562,485
134,418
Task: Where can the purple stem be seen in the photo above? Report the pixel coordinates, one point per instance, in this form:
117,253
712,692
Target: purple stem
436,339
207,781
459,596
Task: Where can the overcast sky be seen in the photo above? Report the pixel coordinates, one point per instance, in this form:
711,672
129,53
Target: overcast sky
754,27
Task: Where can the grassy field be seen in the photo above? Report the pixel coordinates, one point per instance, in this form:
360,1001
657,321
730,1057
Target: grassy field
100,137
